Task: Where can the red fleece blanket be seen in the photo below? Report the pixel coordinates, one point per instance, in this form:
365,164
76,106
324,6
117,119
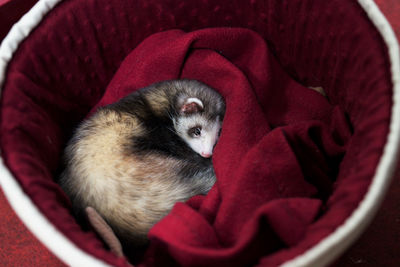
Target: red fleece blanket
276,159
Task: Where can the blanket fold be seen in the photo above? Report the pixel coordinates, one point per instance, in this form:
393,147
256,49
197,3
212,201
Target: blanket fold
276,158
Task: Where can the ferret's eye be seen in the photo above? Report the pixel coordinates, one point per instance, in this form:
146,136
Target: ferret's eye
195,131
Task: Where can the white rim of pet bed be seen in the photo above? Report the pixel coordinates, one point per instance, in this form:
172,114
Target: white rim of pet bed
319,255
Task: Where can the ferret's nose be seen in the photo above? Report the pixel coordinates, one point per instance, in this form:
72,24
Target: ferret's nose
206,155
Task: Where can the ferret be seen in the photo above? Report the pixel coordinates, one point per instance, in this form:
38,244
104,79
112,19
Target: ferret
134,159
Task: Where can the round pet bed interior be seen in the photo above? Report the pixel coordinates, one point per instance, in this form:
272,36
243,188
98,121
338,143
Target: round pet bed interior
67,57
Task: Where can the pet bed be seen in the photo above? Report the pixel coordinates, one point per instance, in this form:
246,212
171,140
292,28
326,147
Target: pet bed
299,174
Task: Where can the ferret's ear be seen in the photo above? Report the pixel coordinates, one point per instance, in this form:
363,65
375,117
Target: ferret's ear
191,105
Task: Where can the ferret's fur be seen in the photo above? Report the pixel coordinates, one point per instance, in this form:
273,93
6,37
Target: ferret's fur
134,159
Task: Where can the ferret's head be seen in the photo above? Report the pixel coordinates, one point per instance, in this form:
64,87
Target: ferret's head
198,126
